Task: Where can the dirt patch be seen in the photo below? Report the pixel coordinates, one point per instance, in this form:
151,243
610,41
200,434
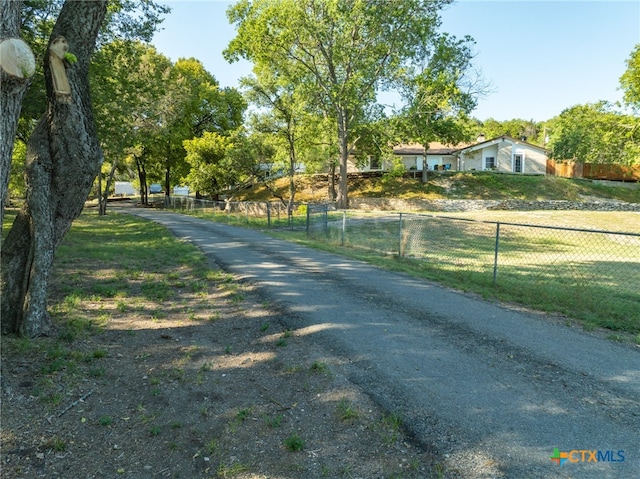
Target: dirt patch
171,382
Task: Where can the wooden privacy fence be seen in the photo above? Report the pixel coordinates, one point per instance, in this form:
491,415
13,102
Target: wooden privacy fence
595,171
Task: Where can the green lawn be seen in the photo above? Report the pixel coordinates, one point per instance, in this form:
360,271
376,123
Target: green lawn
590,276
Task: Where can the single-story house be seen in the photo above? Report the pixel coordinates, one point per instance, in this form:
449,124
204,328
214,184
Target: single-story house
439,157
504,154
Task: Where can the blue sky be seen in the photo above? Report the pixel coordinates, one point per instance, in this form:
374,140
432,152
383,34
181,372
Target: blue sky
540,56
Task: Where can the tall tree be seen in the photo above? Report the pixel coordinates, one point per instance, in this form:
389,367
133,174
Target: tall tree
63,159
193,104
129,80
283,115
439,94
342,51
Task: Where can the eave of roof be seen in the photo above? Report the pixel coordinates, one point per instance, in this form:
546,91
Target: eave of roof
437,149
497,139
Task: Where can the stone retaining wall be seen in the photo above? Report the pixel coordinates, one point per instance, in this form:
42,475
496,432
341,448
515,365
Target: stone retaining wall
392,204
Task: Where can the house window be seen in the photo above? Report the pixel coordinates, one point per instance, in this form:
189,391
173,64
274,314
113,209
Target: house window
490,163
374,163
517,163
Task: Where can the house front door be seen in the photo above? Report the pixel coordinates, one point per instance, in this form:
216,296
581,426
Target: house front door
517,163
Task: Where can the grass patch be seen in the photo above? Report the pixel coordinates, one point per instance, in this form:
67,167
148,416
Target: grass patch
588,276
294,443
105,421
347,411
448,185
319,367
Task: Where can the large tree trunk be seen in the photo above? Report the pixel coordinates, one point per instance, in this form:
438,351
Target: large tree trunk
63,159
13,85
167,183
425,166
142,178
343,139
104,195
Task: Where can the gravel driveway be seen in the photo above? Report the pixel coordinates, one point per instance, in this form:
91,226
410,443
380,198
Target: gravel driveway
491,390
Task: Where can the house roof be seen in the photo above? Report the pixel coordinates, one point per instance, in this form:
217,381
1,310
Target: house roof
499,139
435,148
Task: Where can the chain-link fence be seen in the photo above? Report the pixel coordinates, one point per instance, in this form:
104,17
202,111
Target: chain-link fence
263,213
563,269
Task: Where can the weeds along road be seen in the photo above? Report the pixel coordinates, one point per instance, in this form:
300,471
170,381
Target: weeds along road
492,391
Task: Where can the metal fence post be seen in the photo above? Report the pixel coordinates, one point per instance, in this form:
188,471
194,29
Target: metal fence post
344,227
495,256
400,236
326,219
268,215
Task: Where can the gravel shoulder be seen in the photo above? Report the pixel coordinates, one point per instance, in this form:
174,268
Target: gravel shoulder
489,389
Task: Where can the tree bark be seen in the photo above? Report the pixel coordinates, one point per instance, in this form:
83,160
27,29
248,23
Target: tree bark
104,196
12,90
63,159
425,166
343,140
167,183
142,178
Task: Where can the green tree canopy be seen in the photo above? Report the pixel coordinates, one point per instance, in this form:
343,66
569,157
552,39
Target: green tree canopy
219,162
126,21
438,95
630,80
341,51
596,133
515,128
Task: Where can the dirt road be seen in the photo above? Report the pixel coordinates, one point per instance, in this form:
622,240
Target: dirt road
492,390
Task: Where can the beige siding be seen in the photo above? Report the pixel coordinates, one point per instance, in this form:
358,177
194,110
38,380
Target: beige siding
472,161
503,161
535,162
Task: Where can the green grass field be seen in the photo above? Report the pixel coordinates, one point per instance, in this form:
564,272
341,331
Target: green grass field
590,276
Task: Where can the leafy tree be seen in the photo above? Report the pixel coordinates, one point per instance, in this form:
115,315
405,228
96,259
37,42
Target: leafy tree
438,94
283,113
340,51
630,80
596,133
218,162
128,79
146,106
516,128
192,105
